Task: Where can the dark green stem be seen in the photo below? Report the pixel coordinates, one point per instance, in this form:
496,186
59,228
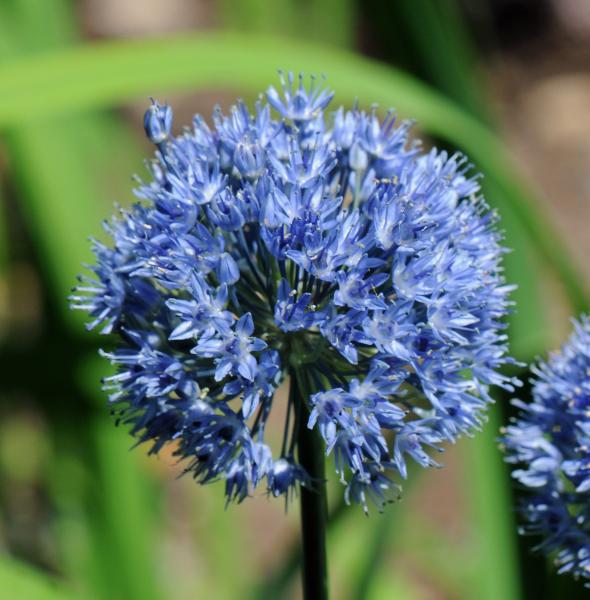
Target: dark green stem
313,502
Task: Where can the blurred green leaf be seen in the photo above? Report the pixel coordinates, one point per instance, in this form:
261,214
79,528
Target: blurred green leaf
30,26
331,21
57,164
124,517
387,587
22,582
104,522
490,503
275,583
354,567
328,21
280,16
65,193
380,540
433,43
3,238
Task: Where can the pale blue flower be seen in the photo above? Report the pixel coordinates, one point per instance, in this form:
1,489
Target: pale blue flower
549,446
322,247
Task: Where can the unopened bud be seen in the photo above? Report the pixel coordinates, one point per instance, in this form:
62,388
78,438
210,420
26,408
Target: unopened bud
157,122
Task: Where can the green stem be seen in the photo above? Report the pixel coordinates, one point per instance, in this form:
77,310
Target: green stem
313,503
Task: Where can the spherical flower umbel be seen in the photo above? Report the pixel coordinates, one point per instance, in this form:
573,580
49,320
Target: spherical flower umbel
321,247
549,444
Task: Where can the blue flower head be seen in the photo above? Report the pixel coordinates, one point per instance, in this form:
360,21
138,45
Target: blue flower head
289,242
549,444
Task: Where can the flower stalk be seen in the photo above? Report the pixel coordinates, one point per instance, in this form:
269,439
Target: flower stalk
314,511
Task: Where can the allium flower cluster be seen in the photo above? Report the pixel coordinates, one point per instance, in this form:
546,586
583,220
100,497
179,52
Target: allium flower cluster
323,247
549,443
